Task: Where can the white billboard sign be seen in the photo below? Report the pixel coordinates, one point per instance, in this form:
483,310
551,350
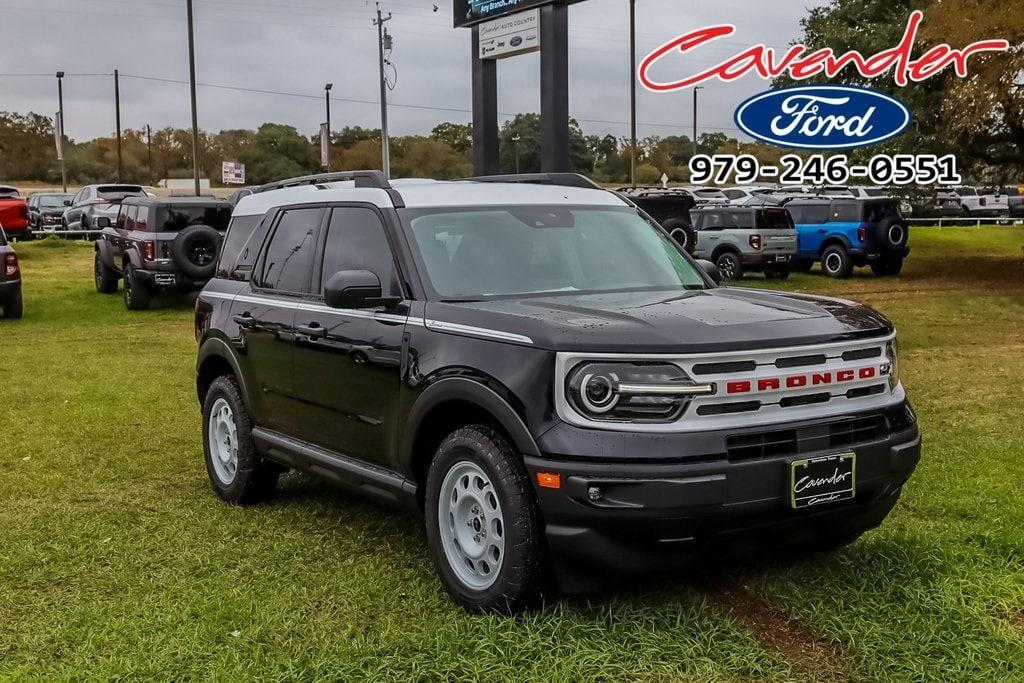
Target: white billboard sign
509,36
233,173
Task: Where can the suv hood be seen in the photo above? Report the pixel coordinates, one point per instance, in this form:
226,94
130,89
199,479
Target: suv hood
721,319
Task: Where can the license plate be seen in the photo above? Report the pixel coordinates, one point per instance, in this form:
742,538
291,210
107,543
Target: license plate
165,279
824,480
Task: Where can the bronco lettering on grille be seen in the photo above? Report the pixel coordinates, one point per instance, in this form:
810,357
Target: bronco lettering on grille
813,379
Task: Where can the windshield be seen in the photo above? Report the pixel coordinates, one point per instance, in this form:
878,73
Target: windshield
8,193
514,251
53,201
119,192
175,218
966,191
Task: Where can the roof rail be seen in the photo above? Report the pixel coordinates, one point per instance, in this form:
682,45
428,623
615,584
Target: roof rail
565,179
374,179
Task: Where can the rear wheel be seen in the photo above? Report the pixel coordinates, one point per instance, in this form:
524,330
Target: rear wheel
137,295
729,265
836,263
238,474
106,278
15,307
483,524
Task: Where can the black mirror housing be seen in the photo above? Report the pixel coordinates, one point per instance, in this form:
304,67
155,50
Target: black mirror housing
353,289
102,222
67,202
711,269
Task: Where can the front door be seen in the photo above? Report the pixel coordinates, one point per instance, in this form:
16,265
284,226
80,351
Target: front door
348,362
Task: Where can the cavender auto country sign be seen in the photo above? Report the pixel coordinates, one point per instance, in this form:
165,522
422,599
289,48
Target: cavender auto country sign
470,12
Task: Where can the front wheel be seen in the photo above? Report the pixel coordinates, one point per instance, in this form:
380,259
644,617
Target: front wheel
836,263
238,474
483,524
730,266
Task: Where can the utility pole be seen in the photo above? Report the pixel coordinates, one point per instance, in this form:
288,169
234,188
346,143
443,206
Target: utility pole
327,101
117,119
515,149
149,151
192,86
383,38
632,91
60,123
695,89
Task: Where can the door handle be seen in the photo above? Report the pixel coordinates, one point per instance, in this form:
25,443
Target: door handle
313,330
245,320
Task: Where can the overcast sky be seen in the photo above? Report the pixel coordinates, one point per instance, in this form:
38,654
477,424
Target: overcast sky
297,46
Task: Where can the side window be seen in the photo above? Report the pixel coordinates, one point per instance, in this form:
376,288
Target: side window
238,251
846,212
356,241
712,221
122,217
78,198
797,212
288,261
140,214
816,213
735,194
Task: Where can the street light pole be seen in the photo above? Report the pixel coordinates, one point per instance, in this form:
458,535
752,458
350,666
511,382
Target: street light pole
60,123
117,119
192,86
632,91
515,149
327,101
695,89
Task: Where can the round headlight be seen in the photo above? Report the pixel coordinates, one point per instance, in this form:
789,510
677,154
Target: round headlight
598,392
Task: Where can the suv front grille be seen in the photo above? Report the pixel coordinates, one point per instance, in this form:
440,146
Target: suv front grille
785,442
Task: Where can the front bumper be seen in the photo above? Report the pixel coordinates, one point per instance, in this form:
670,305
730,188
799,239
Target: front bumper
656,515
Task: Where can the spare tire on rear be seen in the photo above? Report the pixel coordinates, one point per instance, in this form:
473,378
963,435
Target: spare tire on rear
891,234
195,251
683,234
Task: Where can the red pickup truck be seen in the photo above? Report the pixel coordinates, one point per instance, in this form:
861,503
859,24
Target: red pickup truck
14,213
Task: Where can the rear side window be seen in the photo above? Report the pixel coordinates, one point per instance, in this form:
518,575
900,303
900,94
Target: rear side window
777,219
816,213
846,212
177,218
288,261
238,253
140,218
356,241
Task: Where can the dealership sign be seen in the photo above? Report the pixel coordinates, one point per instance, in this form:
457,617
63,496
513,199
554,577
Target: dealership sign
823,117
233,173
471,12
509,36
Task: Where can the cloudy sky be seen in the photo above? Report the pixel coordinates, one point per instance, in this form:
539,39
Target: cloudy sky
292,48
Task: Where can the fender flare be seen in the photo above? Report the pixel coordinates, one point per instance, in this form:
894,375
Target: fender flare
831,239
132,255
214,347
721,249
470,391
103,249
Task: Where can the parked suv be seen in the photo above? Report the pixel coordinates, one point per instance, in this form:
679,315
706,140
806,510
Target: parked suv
46,210
740,238
10,280
545,375
158,244
843,233
97,201
671,208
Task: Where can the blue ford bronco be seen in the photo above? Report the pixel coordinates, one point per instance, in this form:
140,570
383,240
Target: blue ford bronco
843,233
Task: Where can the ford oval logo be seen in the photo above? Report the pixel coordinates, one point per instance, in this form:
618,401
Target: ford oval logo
823,117
516,41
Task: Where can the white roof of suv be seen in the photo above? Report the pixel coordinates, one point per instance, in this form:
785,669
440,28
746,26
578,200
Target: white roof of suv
418,193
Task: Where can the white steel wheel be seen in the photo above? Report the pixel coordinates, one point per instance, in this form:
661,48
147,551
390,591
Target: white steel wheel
223,436
471,525
833,262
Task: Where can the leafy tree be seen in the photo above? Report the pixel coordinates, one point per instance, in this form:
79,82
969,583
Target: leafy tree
458,136
278,151
527,128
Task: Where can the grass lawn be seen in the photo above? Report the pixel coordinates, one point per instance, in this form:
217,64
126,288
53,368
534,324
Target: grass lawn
116,560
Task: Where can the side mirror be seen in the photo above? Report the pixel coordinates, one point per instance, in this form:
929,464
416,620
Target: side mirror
711,269
102,222
353,289
67,202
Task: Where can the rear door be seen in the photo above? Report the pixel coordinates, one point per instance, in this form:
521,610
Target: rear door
348,362
264,314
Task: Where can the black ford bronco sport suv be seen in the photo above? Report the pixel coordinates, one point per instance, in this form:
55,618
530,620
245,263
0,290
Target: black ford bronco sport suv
159,244
545,375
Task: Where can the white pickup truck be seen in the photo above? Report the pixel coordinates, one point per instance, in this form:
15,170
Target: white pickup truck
987,202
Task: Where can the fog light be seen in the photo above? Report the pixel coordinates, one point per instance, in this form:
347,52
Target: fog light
595,494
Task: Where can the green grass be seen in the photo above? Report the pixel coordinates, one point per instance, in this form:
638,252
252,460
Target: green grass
116,561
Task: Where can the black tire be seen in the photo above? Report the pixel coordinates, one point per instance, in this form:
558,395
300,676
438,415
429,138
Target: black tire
254,478
892,234
195,251
729,265
137,295
887,267
15,307
106,278
523,579
777,274
683,234
836,262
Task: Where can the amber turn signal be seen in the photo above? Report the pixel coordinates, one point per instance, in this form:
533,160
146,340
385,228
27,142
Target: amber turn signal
549,480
